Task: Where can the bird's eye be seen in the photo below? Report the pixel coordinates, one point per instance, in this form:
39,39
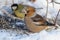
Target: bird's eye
28,11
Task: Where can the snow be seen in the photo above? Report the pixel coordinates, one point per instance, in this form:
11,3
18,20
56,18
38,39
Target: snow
52,35
43,35
9,34
57,1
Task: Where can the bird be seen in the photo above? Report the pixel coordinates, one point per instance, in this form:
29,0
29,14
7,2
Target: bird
17,9
34,22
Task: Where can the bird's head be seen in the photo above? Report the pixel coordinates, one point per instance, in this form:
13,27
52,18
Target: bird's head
30,11
14,6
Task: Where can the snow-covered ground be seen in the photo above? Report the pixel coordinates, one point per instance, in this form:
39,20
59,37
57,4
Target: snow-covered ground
43,35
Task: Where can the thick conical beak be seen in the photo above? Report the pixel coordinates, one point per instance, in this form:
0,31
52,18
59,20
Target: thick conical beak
24,11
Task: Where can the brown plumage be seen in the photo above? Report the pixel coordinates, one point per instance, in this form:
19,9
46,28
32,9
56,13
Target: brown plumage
38,19
30,11
29,20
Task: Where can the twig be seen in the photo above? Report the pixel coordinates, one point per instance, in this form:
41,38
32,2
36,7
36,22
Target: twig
47,9
56,2
12,1
57,17
38,8
52,1
6,2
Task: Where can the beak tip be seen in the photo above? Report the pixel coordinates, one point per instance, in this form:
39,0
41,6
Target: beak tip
25,14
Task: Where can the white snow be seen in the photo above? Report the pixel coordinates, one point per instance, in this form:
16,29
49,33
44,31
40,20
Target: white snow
10,35
43,35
